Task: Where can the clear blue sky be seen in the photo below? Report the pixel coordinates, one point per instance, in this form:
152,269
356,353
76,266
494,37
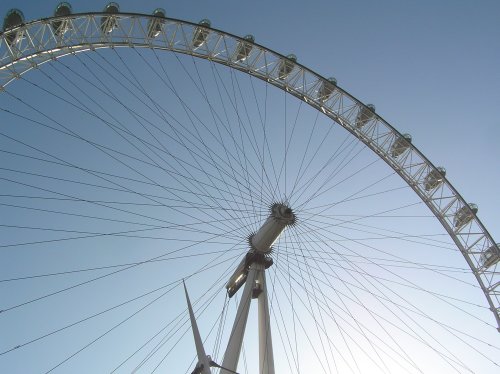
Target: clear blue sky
431,69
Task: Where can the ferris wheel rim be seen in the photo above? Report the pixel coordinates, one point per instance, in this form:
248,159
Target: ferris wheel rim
63,47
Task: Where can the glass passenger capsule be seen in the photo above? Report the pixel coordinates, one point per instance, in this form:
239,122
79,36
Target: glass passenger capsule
434,178
400,145
155,25
60,27
491,256
327,88
365,114
109,23
464,215
201,33
243,48
13,18
286,66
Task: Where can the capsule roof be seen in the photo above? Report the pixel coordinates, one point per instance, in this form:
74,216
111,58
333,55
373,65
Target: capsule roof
249,38
112,8
371,107
63,9
13,18
205,22
159,12
473,207
292,57
441,170
407,137
332,80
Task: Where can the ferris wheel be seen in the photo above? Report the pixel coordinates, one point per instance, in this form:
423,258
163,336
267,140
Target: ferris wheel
146,156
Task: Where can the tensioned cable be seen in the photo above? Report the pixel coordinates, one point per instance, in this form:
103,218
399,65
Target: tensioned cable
139,121
301,248
437,322
96,278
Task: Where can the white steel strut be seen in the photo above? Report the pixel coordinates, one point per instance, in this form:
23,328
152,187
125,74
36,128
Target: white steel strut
251,272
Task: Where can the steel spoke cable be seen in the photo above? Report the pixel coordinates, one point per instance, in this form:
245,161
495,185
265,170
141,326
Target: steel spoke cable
323,190
260,155
110,175
332,315
278,312
43,176
342,330
208,152
330,225
290,297
74,271
59,212
350,286
190,113
365,329
181,321
240,121
381,251
253,142
255,146
215,118
287,142
178,322
337,264
248,186
38,338
185,169
106,333
309,298
322,169
326,311
216,288
171,285
303,247
313,210
179,140
275,308
316,229
427,239
157,139
368,278
90,234
418,338
186,227
302,326
321,322
127,189
312,130
134,192
347,143
406,264
220,331
104,276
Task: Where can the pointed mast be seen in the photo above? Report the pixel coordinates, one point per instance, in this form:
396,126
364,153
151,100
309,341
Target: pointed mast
203,365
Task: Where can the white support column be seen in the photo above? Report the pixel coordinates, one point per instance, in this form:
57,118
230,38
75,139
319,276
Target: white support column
233,349
251,271
266,356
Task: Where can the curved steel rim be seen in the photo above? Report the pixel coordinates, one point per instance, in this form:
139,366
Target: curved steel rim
35,43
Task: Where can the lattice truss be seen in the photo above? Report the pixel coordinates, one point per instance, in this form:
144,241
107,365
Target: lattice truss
27,46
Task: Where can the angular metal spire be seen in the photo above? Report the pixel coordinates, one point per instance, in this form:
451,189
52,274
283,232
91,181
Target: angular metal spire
203,366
